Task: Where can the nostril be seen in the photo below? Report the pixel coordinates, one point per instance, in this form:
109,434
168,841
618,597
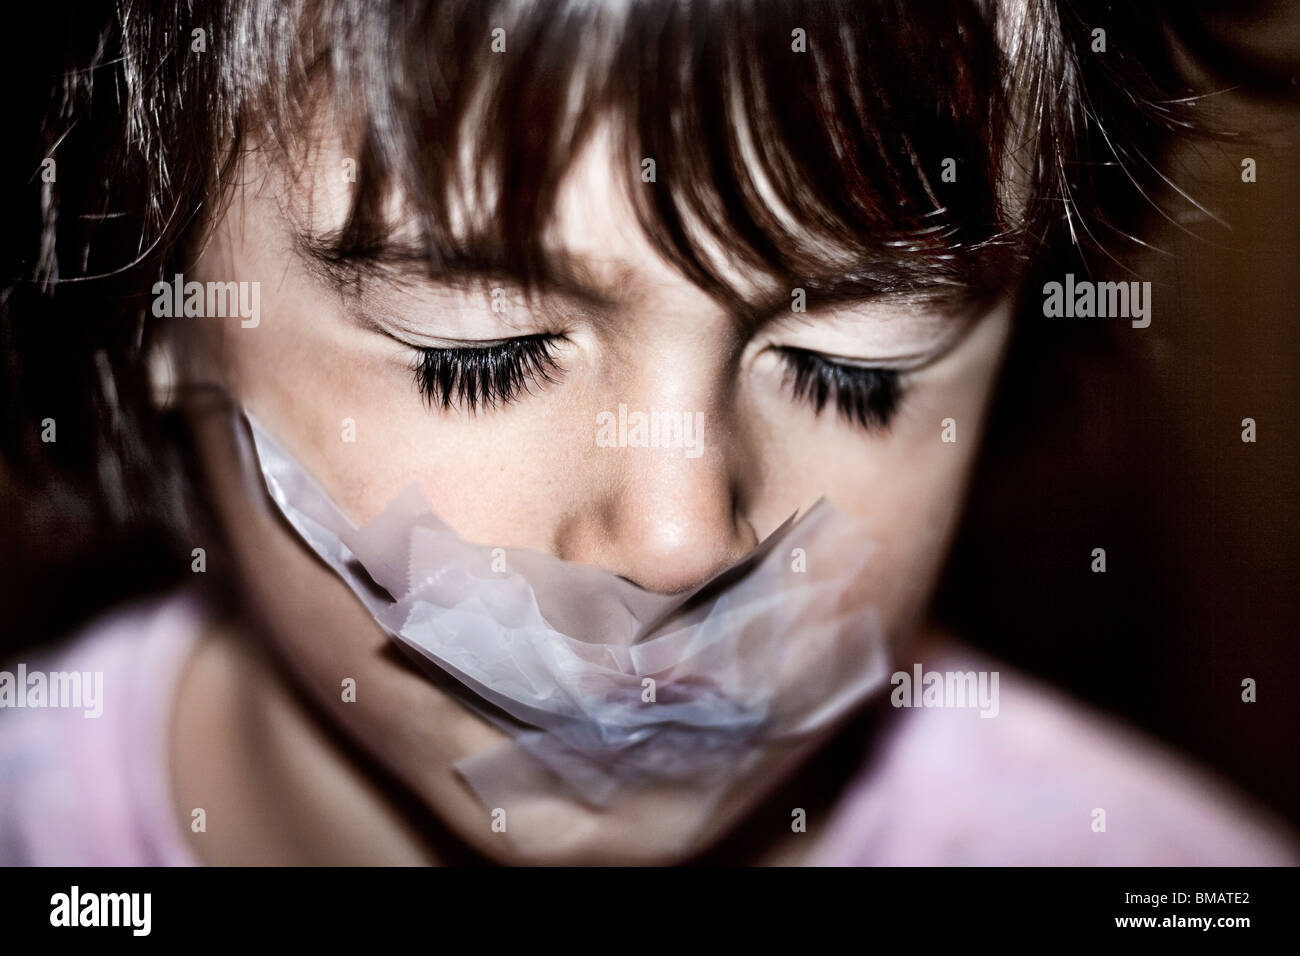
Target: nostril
670,555
666,524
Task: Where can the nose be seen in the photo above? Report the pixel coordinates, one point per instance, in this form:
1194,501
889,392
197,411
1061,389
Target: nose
662,519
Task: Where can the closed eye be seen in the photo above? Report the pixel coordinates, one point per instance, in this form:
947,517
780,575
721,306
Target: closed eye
866,396
485,375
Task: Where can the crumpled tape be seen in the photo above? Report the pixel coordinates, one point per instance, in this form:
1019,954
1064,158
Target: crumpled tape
557,653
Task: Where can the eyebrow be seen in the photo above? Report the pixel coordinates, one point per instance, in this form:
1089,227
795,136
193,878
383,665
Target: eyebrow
558,275
562,275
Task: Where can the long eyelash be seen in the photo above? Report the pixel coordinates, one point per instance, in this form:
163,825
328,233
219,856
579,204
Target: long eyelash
868,397
486,375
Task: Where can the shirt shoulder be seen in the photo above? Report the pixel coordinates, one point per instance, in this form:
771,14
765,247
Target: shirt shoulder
1041,780
84,769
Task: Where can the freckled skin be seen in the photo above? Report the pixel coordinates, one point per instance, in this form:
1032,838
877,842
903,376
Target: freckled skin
525,475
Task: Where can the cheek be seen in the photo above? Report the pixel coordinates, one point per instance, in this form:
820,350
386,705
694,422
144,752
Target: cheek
907,484
343,401
324,636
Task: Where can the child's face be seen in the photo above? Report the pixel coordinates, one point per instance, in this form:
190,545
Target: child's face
340,394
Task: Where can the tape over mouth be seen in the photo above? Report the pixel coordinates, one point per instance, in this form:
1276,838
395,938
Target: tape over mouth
601,684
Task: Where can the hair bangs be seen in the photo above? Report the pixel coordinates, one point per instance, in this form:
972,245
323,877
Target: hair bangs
794,144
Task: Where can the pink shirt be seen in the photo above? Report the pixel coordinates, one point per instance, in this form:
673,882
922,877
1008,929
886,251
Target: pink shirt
944,786
949,787
85,791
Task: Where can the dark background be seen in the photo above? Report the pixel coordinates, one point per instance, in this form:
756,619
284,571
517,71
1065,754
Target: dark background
1130,440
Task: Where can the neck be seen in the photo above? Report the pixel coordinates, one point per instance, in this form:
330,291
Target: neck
275,786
